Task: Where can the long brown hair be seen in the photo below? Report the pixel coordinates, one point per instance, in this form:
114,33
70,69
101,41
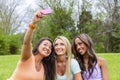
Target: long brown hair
92,58
48,62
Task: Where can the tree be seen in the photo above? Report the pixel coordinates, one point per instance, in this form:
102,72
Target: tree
12,15
111,10
60,21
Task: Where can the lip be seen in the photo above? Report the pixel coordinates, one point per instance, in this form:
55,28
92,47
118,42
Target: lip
45,51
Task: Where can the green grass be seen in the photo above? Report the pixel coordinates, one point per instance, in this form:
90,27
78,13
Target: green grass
113,61
8,64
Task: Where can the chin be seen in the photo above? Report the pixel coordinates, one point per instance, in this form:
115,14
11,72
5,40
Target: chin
59,54
81,53
47,55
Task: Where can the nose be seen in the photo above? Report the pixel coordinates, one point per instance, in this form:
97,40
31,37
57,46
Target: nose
47,47
78,46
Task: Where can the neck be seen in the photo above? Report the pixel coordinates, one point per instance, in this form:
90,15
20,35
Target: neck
85,58
38,62
61,58
38,58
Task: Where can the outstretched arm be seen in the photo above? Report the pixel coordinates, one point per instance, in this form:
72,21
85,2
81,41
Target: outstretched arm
27,46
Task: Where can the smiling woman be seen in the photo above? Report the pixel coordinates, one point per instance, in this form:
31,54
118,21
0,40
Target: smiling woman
66,67
35,64
93,67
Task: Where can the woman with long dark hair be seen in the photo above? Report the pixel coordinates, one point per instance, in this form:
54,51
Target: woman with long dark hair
92,66
36,64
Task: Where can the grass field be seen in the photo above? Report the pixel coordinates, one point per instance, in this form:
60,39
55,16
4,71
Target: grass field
8,64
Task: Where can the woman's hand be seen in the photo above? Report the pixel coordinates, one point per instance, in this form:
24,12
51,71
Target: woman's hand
37,16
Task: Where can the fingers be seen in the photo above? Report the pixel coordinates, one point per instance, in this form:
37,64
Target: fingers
37,16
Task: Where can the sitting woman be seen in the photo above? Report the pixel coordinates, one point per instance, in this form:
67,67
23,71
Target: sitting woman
93,67
66,67
38,64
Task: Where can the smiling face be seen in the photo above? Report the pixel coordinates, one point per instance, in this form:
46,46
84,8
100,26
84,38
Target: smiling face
59,47
45,48
80,46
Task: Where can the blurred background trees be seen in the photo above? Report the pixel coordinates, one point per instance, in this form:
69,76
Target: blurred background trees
99,19
12,17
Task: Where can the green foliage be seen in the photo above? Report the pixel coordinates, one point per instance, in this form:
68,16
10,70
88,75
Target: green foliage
15,44
58,23
93,28
4,45
103,30
42,30
61,22
10,44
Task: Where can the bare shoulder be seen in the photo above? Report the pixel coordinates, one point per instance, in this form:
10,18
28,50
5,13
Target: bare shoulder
101,61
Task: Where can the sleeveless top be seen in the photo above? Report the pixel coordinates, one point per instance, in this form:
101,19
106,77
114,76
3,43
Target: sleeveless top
74,69
27,71
96,75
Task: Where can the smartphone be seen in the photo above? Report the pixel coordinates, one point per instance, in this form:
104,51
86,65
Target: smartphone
46,11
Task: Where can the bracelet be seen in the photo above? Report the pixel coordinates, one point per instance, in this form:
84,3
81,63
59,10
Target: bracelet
31,26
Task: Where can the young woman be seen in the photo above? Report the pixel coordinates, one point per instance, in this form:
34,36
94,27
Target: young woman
93,67
38,64
66,68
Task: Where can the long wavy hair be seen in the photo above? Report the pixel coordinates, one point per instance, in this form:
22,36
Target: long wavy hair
92,58
48,62
68,54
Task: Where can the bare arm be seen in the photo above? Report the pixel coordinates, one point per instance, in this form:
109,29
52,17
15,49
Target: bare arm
104,69
27,46
77,76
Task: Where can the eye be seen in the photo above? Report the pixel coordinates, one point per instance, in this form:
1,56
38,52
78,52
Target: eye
79,43
55,45
62,44
45,44
50,47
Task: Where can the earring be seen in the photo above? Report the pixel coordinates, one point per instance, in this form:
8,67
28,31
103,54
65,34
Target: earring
66,56
55,56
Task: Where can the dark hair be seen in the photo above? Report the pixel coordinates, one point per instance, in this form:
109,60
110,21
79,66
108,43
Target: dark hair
92,58
48,62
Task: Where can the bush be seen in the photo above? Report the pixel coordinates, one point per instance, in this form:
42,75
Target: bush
15,44
10,44
4,45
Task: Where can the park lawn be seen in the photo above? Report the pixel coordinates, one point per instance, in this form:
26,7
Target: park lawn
113,61
8,64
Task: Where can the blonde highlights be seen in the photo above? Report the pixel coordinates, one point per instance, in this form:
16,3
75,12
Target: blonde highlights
68,53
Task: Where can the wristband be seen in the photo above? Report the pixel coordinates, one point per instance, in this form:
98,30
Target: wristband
31,26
